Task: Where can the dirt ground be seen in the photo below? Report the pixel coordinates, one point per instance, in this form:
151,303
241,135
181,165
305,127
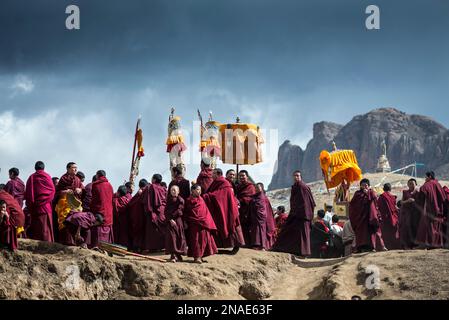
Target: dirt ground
51,271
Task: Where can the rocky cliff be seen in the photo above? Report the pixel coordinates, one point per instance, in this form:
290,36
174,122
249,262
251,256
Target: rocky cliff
409,138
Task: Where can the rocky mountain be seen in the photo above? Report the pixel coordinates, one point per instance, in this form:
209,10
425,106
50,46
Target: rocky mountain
409,138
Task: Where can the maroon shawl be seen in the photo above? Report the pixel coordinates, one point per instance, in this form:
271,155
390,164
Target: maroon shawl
68,182
154,202
40,192
302,203
17,217
196,212
205,179
388,209
363,215
102,194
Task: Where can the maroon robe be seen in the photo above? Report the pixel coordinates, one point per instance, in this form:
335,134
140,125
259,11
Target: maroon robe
280,221
446,219
271,224
87,197
86,221
175,241
259,212
68,182
223,206
16,188
409,218
8,233
120,226
136,221
295,235
244,193
364,218
200,225
390,220
431,200
205,179
184,186
102,195
40,192
154,202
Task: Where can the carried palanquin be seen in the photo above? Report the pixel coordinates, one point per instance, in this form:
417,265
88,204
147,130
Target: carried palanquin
241,143
338,166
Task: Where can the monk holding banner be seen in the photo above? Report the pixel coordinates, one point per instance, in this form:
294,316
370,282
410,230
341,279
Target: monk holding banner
39,195
244,192
295,233
222,204
200,226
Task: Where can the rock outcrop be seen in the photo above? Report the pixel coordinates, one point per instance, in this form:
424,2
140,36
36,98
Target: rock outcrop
409,139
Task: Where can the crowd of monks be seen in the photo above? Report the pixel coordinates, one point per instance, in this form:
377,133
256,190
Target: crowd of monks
215,211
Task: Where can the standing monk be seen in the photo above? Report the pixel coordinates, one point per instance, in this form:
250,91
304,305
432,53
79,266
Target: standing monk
87,194
15,186
410,216
12,220
200,226
154,201
102,194
205,177
223,206
136,219
244,192
295,234
181,182
364,218
68,183
40,192
175,241
390,218
261,220
431,200
119,205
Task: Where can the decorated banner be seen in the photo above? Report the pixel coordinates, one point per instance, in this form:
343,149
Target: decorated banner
175,142
241,143
210,147
135,160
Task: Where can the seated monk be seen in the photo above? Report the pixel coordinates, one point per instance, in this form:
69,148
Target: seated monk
79,223
12,220
175,241
200,226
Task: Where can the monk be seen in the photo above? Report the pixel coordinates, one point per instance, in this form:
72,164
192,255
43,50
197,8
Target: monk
12,222
389,218
200,241
280,217
87,194
68,183
175,241
15,186
230,176
40,192
295,234
154,201
205,177
244,192
223,206
119,206
410,216
136,219
342,193
102,194
431,199
364,217
446,219
54,214
181,182
261,220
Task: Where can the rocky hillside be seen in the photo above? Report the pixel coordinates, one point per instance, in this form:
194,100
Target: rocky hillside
409,138
41,270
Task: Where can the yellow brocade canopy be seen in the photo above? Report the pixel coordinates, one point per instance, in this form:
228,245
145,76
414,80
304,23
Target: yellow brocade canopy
241,143
338,166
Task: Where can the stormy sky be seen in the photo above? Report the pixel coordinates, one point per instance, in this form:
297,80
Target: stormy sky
283,64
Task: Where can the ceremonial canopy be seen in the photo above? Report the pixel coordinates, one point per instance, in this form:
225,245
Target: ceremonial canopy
339,165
